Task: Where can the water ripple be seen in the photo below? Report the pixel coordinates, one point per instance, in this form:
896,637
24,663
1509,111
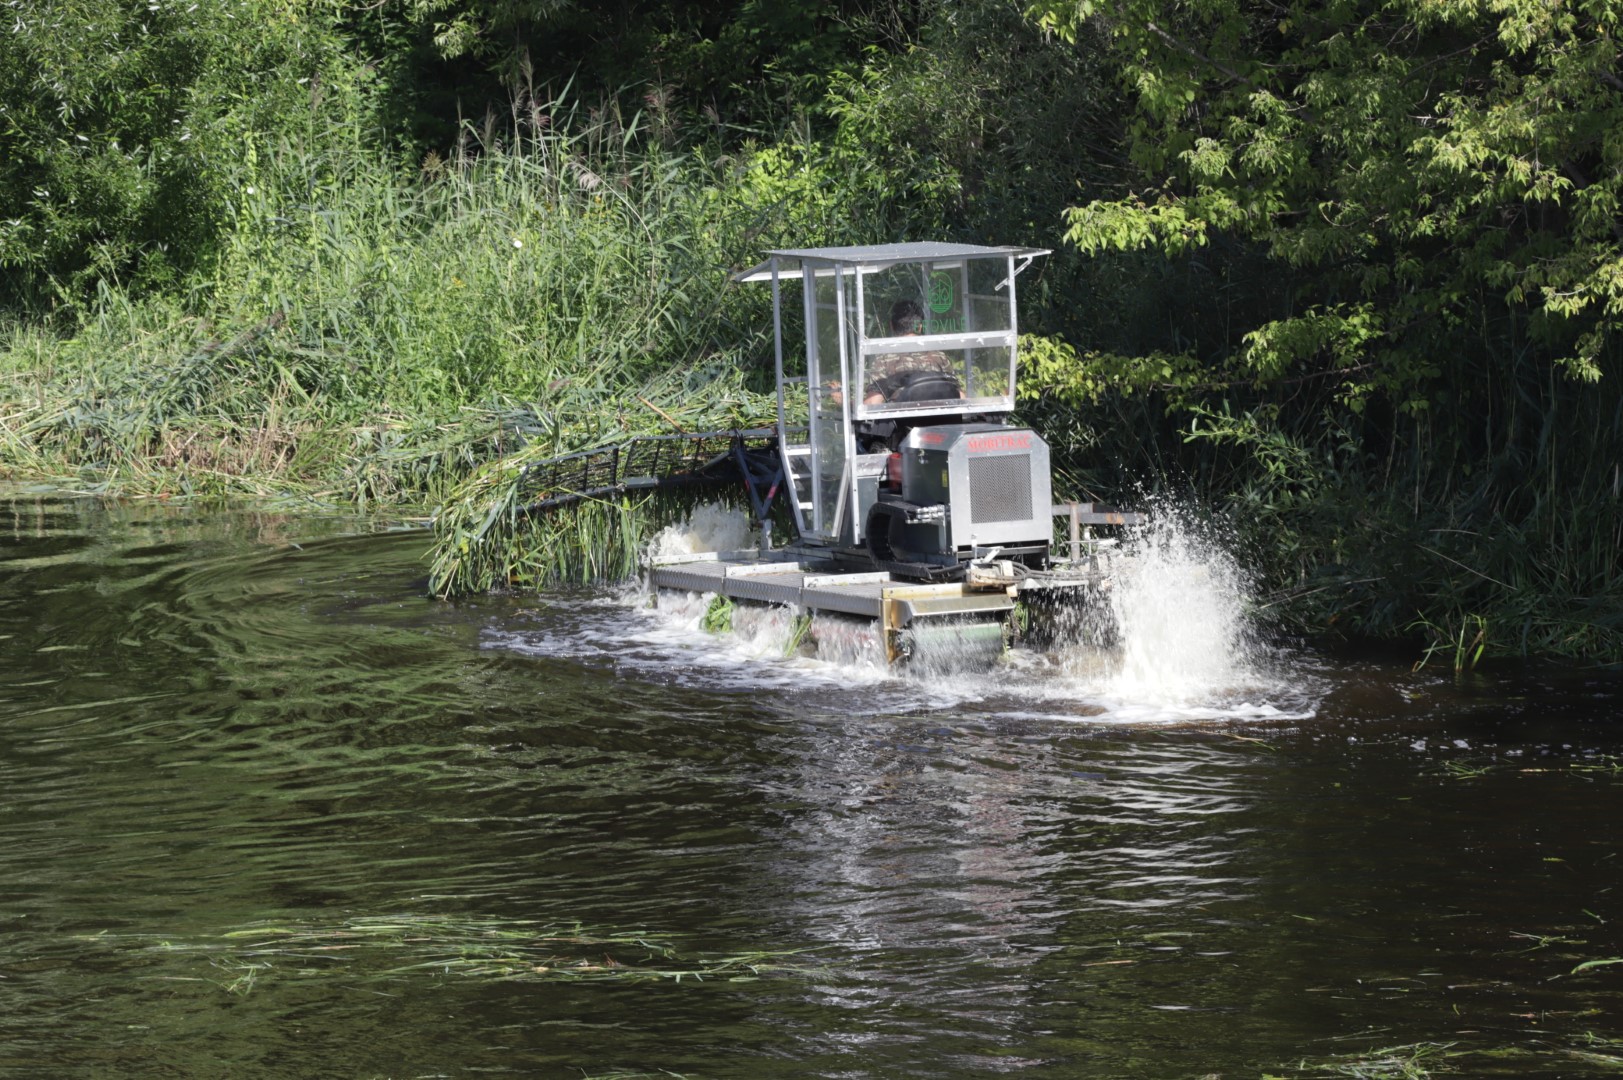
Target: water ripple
219,721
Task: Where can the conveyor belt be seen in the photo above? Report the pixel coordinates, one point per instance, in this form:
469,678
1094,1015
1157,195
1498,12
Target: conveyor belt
648,461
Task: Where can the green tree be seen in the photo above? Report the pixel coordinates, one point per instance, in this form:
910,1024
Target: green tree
697,70
1433,176
1406,214
121,125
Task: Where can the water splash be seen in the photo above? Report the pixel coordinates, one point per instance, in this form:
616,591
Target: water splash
712,526
949,648
1172,645
1179,604
847,643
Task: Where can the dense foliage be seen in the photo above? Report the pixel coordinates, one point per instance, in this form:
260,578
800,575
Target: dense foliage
124,129
1349,274
1409,212
1431,176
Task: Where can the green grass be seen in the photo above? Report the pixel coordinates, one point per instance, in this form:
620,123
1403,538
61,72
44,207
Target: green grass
371,335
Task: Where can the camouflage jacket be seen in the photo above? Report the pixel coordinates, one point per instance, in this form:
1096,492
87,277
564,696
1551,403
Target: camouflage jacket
885,372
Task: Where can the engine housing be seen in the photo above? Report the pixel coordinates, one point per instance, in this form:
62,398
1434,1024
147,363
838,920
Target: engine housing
992,480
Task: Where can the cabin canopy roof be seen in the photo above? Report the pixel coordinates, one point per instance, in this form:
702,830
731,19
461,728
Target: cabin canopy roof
864,256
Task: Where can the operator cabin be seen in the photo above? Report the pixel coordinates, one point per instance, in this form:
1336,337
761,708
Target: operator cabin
925,334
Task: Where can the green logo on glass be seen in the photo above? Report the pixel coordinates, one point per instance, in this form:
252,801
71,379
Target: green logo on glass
940,297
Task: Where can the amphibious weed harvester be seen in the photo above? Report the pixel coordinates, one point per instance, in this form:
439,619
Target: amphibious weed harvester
913,501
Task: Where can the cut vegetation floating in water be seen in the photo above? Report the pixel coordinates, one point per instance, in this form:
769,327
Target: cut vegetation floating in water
1419,1061
1415,1061
384,948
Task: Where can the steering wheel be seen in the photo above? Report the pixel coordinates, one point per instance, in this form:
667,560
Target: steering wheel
925,386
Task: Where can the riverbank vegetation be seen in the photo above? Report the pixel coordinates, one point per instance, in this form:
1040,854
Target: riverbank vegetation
1350,278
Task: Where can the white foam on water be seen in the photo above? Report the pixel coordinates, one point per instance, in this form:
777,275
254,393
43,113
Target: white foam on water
1179,600
711,527
1186,652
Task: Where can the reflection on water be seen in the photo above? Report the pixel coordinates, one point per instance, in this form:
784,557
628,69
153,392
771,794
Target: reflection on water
215,722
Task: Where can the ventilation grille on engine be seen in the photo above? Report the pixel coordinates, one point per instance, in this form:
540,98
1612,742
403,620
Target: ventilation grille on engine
1000,488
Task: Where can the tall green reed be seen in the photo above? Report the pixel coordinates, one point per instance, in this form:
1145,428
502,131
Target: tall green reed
374,334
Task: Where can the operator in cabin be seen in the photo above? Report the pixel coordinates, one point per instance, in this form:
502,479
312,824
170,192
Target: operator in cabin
920,376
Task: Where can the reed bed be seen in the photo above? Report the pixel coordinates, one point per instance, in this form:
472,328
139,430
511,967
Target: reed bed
372,335
487,536
372,338
497,545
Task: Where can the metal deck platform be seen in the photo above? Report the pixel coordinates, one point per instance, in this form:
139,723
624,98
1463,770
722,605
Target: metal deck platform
806,581
806,585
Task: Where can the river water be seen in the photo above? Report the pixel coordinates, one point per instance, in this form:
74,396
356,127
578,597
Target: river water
268,811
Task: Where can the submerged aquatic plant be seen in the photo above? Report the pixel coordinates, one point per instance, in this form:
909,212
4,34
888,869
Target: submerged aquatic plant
1414,1061
388,947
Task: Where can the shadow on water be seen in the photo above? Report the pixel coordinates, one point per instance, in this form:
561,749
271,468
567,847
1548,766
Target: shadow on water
267,811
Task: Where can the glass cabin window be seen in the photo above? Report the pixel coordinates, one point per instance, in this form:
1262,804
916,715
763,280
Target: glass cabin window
937,336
